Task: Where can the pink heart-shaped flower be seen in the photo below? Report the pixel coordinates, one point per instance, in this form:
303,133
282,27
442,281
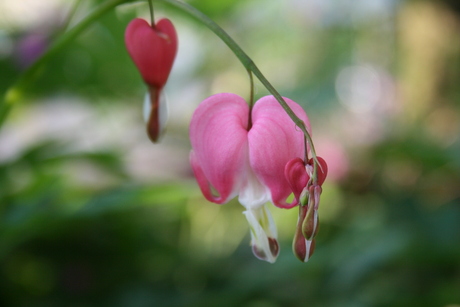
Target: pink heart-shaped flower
236,158
153,49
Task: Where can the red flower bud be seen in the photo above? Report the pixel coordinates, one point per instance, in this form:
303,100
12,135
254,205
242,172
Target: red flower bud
302,247
153,49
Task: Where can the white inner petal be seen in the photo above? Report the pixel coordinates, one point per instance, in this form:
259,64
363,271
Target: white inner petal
309,169
147,107
307,250
164,110
262,227
253,193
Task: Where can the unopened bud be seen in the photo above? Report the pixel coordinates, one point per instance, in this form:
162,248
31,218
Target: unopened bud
302,248
303,198
310,224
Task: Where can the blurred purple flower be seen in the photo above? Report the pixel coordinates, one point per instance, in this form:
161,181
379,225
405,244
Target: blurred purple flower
29,48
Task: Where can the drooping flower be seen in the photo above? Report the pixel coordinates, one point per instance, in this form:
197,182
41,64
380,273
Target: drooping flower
236,151
153,50
307,191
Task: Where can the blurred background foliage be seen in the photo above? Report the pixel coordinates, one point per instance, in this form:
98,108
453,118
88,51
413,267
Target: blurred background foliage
93,214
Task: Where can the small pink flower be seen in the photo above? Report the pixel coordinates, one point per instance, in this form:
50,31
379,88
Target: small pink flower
299,174
233,156
307,191
153,50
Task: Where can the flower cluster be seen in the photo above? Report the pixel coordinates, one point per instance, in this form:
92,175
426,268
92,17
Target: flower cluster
252,152
307,190
239,156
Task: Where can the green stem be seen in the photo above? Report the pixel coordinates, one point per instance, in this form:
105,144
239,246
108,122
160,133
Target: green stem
251,98
152,18
71,14
247,63
13,94
251,90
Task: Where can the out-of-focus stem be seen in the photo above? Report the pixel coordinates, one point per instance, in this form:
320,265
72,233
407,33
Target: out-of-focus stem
14,93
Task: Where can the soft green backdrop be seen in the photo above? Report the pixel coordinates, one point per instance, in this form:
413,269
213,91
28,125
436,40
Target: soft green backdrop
93,214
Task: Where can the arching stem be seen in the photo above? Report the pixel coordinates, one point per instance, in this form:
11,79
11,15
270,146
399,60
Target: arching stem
251,98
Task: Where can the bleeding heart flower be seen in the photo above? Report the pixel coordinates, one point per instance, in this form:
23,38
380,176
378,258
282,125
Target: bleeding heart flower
153,50
233,156
307,191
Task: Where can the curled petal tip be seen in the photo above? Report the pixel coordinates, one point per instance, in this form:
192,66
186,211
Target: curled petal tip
263,234
274,247
261,254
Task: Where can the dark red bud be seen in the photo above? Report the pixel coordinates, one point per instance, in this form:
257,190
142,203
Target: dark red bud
274,249
301,247
322,169
153,49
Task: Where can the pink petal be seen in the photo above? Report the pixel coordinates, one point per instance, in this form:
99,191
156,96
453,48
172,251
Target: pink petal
152,49
273,141
296,176
218,133
322,170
